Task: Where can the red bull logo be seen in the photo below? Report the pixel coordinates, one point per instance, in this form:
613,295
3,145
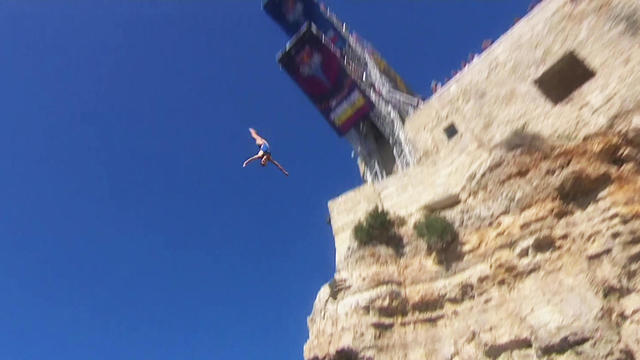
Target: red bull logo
310,63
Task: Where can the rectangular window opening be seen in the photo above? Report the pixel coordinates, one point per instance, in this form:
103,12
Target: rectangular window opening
450,131
564,77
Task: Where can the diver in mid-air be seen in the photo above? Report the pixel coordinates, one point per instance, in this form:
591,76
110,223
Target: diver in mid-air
264,153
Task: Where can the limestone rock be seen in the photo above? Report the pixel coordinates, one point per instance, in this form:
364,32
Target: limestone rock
544,196
557,278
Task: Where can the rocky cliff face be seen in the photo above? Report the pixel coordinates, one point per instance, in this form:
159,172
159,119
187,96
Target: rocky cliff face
546,266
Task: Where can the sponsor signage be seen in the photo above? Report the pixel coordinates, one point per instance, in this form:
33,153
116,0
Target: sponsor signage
314,64
291,15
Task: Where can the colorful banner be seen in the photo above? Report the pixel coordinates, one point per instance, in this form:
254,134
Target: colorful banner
292,14
318,70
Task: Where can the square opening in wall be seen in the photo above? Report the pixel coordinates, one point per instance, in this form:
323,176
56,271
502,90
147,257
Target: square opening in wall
450,131
564,77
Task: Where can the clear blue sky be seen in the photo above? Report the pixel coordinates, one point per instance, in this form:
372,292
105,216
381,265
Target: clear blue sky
128,228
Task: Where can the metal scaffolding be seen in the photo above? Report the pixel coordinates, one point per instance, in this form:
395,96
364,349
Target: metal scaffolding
392,106
378,138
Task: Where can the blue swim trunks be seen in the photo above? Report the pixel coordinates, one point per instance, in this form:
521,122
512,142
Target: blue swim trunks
264,148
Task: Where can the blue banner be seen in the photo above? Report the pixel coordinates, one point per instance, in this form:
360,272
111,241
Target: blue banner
292,14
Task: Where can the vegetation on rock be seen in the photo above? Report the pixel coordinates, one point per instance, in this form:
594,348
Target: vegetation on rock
378,228
436,231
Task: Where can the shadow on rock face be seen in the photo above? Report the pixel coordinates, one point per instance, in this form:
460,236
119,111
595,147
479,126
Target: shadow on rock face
451,255
344,354
581,189
527,141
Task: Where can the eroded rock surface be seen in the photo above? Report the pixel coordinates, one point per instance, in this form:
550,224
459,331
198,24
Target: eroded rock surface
547,266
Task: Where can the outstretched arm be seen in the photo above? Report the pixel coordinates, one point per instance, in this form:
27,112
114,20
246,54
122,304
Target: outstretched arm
259,139
254,157
279,166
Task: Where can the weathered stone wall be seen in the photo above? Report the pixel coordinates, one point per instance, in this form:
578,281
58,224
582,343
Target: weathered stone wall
496,95
546,266
434,181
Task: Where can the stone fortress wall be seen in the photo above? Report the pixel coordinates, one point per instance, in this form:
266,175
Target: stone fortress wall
498,94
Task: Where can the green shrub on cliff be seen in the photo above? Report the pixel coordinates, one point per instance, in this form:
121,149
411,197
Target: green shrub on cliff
377,228
436,231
